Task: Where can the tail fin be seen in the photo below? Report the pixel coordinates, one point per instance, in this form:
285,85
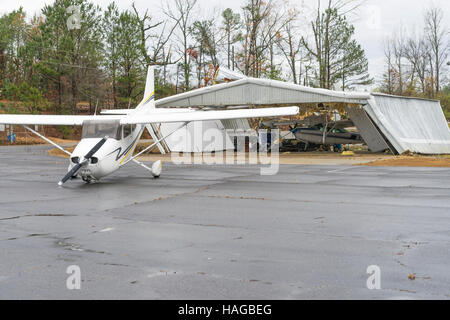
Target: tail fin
149,95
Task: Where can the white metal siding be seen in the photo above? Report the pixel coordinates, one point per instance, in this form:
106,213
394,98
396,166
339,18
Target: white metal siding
416,125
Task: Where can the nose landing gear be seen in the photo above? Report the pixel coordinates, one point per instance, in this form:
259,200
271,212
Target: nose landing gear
87,179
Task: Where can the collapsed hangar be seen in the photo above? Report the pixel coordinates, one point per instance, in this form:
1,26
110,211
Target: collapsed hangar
399,124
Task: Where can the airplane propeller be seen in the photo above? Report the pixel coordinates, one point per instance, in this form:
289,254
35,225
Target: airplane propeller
87,157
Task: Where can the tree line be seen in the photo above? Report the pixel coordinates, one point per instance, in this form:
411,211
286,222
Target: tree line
416,62
47,64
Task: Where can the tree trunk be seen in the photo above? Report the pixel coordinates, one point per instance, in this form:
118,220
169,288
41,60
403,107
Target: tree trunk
229,48
59,107
74,95
114,86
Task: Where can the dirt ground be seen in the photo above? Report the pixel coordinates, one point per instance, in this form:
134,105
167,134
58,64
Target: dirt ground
415,161
59,153
36,140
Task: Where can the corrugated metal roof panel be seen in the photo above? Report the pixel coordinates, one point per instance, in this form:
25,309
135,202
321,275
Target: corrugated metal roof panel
371,135
416,125
258,92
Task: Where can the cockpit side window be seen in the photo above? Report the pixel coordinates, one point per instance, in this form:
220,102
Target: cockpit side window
100,129
127,130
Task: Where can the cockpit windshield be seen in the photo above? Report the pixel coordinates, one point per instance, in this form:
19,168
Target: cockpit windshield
101,128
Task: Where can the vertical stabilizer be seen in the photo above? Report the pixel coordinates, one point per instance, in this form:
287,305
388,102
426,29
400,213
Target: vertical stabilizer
149,95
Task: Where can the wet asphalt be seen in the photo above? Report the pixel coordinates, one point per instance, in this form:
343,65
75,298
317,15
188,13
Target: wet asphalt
222,232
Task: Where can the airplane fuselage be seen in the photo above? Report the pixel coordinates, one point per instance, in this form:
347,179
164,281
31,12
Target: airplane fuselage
114,153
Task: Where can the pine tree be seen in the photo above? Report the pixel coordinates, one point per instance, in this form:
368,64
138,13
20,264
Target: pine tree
110,27
339,57
231,26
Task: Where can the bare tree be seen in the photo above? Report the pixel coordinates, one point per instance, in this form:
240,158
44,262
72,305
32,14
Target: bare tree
398,49
255,12
290,46
263,22
182,15
149,31
389,75
416,52
436,36
272,28
415,63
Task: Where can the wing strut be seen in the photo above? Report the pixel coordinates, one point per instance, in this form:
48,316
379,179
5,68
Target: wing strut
48,140
156,142
153,133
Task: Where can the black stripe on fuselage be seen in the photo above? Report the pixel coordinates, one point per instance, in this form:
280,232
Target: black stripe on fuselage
119,149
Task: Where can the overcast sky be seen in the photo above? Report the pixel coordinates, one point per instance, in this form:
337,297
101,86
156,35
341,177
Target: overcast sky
377,20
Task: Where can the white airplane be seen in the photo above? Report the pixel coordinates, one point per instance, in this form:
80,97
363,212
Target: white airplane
108,141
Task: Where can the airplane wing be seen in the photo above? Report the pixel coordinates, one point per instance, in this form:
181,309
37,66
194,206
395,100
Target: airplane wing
50,119
116,111
209,115
153,111
156,117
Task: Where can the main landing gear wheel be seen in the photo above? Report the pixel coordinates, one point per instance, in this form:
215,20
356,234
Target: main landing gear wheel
156,169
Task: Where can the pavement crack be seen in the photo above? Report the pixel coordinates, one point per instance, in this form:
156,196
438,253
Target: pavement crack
76,247
170,196
38,215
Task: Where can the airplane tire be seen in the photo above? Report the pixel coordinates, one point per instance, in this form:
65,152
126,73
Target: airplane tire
87,180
